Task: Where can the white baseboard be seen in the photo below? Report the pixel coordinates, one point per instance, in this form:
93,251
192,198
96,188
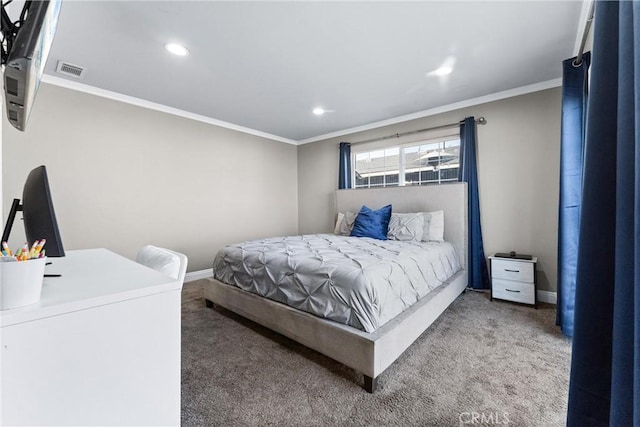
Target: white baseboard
197,275
547,296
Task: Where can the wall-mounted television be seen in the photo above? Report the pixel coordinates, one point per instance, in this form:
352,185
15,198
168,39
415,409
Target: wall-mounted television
38,214
28,44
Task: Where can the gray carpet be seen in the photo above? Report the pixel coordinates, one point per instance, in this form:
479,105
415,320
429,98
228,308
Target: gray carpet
496,362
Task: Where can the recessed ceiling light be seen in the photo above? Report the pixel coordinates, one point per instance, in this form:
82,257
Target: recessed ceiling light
442,71
319,111
445,69
177,49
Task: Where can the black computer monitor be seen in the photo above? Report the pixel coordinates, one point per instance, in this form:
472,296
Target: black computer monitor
38,213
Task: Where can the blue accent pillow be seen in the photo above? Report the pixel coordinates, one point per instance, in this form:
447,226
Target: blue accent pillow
374,224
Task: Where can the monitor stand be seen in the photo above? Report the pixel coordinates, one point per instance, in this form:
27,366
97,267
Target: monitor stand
15,207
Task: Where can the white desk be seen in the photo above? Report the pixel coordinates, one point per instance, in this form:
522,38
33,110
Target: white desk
101,347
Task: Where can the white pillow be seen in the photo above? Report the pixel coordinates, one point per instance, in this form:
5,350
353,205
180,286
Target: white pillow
427,222
408,226
344,224
434,226
336,229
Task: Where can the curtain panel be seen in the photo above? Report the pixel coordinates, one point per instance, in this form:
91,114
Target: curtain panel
574,107
478,273
605,366
344,167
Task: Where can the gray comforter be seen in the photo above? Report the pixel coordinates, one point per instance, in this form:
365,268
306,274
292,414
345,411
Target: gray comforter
356,281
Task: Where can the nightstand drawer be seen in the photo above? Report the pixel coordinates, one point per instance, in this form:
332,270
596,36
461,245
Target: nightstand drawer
513,291
512,270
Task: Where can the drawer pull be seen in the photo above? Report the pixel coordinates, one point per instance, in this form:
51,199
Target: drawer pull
510,290
512,271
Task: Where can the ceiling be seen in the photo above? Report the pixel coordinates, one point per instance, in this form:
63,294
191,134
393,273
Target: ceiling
266,65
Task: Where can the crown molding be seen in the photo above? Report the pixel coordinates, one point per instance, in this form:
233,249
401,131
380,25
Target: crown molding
582,22
523,90
68,84
80,87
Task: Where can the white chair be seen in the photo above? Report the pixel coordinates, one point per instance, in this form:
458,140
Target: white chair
166,261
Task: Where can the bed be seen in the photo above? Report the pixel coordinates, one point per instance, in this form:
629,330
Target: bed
368,345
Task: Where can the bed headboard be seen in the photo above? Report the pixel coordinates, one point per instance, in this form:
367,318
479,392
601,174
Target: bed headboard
451,197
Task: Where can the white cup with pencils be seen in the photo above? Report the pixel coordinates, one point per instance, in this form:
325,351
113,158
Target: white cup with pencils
21,275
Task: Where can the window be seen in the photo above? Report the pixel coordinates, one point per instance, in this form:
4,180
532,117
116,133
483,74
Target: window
427,162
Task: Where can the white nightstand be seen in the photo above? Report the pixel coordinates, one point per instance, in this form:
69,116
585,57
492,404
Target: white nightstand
514,279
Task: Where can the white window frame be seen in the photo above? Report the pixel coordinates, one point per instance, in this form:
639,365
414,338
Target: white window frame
401,144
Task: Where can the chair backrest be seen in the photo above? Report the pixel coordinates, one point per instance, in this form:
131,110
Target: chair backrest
166,261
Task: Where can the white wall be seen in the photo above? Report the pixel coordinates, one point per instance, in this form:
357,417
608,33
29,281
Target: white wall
123,176
518,161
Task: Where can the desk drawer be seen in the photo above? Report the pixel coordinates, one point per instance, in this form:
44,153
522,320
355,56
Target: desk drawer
512,270
513,291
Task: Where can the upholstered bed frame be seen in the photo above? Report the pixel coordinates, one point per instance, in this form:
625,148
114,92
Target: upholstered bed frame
368,353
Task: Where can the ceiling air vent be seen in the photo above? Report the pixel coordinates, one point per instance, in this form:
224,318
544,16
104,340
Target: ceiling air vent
70,70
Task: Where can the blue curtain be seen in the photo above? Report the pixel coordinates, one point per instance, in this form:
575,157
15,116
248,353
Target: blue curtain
605,367
574,107
344,169
478,274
